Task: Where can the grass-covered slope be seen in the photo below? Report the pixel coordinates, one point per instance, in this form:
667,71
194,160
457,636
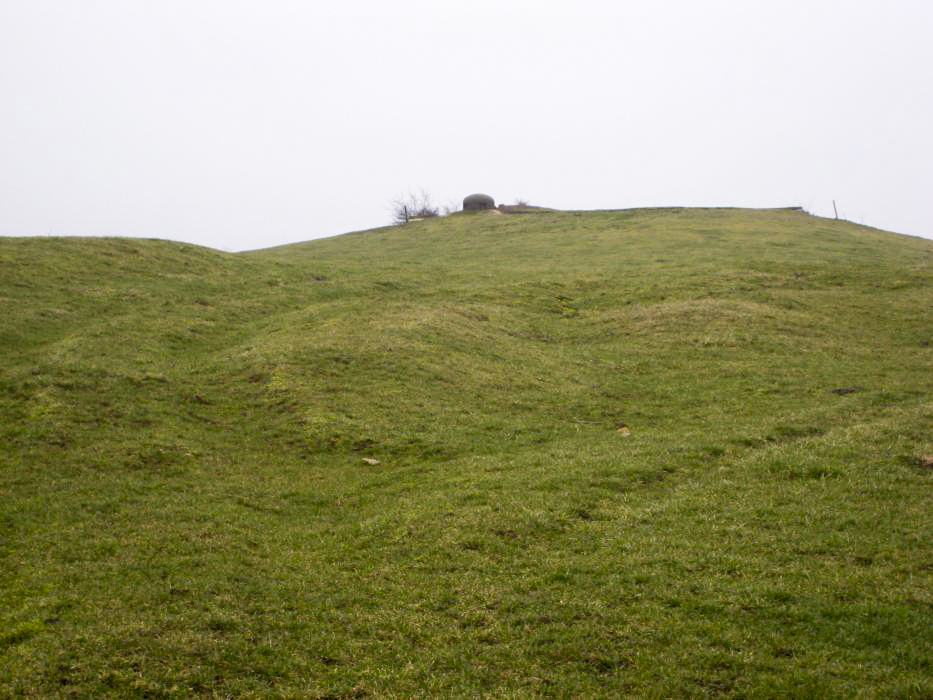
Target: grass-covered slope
650,453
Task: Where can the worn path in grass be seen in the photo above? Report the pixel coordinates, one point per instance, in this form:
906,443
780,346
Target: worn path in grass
650,453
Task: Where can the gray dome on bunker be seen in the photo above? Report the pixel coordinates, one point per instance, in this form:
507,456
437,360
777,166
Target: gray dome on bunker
475,202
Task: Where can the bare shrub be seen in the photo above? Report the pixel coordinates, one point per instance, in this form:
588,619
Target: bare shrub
412,208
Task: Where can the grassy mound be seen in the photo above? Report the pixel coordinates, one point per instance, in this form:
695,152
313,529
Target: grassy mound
651,452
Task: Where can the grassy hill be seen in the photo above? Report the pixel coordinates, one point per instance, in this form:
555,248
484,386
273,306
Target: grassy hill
662,453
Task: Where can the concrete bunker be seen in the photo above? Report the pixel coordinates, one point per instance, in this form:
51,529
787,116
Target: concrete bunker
478,202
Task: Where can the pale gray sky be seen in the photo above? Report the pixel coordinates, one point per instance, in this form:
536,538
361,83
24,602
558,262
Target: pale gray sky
241,124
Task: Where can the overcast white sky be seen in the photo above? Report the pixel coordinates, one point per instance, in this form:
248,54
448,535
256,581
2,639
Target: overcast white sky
241,124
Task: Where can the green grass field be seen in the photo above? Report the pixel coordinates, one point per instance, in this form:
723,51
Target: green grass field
646,453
